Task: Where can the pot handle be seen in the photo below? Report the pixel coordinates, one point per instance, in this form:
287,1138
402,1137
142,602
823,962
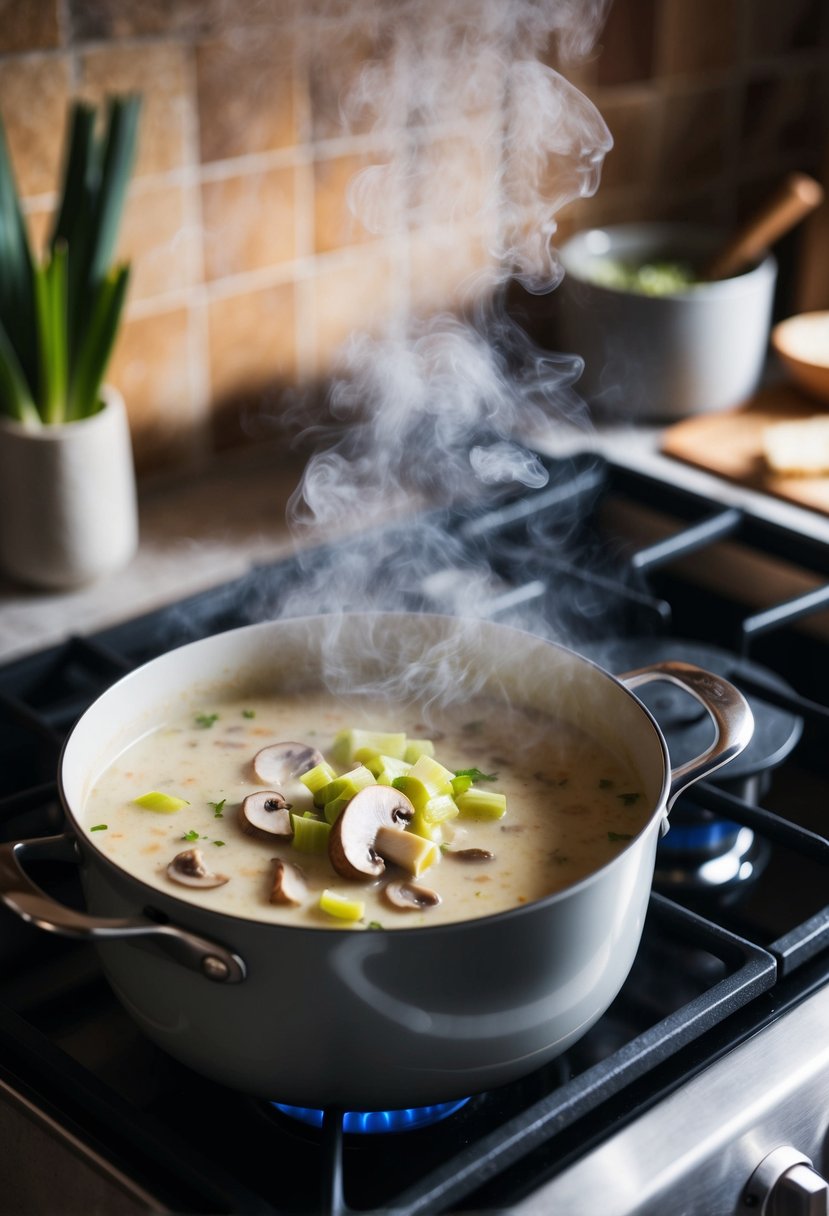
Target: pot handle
726,705
30,903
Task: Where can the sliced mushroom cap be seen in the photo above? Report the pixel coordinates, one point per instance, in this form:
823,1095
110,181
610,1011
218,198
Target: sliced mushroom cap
351,843
470,854
189,869
279,762
289,885
266,814
409,896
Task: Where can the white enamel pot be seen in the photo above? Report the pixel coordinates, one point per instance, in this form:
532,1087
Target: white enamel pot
355,1019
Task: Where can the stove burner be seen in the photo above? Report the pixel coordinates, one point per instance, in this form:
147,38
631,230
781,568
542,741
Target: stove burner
703,852
377,1122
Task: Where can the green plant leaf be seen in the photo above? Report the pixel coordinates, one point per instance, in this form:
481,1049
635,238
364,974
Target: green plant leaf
116,167
96,345
50,299
15,397
17,310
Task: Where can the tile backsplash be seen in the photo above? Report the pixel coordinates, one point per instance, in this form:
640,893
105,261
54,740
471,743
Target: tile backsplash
267,125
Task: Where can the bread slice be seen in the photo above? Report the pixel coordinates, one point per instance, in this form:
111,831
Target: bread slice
798,449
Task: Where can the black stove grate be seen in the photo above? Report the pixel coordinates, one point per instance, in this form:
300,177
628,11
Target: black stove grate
711,968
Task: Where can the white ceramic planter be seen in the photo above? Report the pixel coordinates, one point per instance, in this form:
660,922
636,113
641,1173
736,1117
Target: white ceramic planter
68,508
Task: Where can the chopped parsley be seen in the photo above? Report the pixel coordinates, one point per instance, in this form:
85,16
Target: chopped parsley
218,843
99,827
191,835
628,799
615,836
218,807
248,713
475,774
374,924
206,720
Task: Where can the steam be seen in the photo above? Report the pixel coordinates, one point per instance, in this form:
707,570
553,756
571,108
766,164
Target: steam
484,138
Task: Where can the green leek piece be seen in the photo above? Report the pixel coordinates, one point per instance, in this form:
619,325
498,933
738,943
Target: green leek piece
318,776
349,783
348,742
416,748
482,804
389,767
310,835
164,804
335,807
426,779
341,907
429,818
461,784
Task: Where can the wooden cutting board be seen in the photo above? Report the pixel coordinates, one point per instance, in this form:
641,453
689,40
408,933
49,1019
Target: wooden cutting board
730,444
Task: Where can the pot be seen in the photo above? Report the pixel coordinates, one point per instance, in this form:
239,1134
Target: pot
371,1020
695,351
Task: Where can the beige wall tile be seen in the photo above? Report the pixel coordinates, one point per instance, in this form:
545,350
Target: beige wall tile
28,25
97,19
633,123
249,222
694,137
360,294
159,240
252,340
35,132
246,94
450,269
627,43
153,367
779,115
698,36
335,224
338,58
160,73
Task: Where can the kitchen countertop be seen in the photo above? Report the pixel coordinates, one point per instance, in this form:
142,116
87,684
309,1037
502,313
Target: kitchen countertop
200,531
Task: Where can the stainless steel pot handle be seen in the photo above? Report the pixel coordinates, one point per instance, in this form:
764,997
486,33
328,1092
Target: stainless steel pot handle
28,901
727,706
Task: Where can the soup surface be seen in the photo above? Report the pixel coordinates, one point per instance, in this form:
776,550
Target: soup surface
571,806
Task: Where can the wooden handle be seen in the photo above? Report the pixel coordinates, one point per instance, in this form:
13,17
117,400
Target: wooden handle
797,195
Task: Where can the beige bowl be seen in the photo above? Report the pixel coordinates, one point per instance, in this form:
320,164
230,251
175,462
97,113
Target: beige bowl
802,344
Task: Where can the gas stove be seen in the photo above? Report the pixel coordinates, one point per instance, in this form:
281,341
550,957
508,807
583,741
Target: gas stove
701,1090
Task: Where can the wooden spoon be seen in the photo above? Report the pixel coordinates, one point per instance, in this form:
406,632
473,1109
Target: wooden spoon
797,195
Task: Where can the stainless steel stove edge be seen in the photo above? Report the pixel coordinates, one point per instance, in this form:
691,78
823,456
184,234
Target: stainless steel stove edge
693,1153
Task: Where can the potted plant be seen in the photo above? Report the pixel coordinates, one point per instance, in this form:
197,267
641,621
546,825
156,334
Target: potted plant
68,509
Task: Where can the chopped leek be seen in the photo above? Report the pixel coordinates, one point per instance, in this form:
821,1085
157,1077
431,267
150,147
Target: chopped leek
482,804
341,907
317,777
348,742
310,835
416,748
165,804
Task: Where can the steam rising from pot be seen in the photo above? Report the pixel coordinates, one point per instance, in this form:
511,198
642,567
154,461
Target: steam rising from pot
483,139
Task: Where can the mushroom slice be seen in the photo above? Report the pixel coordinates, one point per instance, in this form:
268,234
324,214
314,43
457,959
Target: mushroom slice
288,883
189,869
266,814
352,842
410,896
278,763
470,854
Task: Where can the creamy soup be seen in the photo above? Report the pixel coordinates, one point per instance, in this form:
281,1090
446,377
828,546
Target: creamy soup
570,806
